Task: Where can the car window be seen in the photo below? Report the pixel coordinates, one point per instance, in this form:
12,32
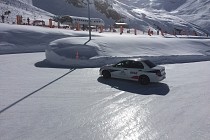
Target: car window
149,63
137,64
123,64
127,64
120,64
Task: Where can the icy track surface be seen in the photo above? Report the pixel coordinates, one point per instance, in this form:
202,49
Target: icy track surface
47,103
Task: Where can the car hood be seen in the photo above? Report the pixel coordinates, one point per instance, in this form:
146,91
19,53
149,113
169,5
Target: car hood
107,66
158,68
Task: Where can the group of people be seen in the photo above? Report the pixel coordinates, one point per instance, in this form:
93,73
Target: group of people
6,13
3,19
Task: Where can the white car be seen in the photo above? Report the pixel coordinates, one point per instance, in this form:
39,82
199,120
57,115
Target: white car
141,70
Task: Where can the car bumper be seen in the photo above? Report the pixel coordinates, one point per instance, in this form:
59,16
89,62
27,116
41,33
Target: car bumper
158,78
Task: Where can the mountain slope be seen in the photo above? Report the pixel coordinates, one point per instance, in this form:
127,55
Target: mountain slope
173,11
195,11
22,7
61,7
169,15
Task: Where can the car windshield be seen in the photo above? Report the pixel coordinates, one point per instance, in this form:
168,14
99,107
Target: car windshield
149,63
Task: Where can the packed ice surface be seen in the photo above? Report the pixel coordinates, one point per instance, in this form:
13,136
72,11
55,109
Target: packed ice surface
78,104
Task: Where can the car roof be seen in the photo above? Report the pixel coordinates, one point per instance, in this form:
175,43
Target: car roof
135,59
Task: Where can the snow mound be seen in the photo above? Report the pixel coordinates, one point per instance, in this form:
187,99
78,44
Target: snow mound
73,52
75,47
80,53
77,52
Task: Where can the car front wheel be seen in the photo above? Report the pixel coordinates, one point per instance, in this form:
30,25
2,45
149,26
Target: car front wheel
106,74
144,80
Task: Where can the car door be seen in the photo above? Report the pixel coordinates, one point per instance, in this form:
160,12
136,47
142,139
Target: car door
136,68
120,70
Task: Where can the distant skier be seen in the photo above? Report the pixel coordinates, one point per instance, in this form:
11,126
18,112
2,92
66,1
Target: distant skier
2,18
149,32
121,30
83,27
28,20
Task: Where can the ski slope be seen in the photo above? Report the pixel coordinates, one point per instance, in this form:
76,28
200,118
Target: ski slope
24,8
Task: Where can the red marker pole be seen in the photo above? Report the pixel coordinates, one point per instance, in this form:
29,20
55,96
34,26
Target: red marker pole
77,55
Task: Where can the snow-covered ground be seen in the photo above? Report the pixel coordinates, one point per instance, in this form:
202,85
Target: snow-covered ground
103,46
81,105
38,101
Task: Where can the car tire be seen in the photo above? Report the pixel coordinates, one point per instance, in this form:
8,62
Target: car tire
106,74
144,80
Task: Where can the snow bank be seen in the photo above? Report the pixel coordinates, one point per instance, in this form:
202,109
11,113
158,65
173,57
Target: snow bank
66,47
72,52
23,38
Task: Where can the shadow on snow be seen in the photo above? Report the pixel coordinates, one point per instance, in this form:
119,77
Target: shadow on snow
46,64
32,93
134,87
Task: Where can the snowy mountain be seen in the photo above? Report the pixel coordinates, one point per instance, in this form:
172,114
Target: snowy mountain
22,7
196,11
54,6
27,1
168,5
169,15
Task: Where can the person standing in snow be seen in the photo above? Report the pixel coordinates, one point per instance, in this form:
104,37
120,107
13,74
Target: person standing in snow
28,20
149,32
2,18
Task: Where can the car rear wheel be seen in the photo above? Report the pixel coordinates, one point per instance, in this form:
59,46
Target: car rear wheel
144,80
106,74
